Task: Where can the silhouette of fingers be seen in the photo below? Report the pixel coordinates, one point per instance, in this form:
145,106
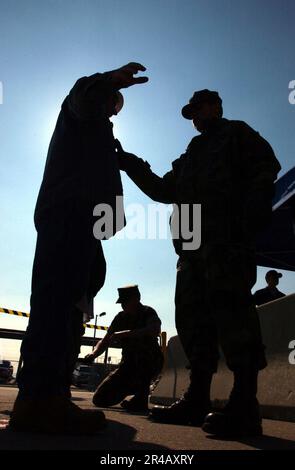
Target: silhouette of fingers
140,80
135,67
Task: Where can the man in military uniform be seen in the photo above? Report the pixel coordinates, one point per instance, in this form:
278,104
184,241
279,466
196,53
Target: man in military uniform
230,170
81,171
136,329
270,292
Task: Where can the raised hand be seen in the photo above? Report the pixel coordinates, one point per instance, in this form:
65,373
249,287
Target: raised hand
123,77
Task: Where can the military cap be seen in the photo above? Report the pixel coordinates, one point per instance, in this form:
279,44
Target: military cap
201,96
273,273
125,293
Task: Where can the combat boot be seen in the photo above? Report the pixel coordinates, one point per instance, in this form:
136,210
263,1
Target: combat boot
135,405
55,415
192,408
240,416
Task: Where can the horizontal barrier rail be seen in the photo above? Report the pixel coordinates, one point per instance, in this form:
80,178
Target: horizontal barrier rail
26,315
9,311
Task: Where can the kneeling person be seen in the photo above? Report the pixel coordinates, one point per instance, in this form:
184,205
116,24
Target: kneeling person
136,329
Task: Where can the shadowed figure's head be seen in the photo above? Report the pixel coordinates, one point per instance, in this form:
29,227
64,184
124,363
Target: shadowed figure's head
129,298
114,104
272,278
204,107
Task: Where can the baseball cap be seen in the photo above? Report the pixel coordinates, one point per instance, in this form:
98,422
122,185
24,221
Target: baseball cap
274,273
201,96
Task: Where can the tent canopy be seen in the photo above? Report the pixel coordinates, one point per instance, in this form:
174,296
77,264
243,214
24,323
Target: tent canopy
276,246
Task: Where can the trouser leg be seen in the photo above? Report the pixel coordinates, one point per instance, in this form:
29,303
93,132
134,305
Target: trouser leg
146,368
197,332
141,388
45,348
231,273
61,275
96,281
78,331
114,388
243,395
141,395
195,404
195,325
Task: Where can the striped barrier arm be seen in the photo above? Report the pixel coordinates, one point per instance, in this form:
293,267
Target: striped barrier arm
163,335
26,315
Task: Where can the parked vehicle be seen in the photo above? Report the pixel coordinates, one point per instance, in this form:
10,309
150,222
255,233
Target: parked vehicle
89,376
81,375
6,371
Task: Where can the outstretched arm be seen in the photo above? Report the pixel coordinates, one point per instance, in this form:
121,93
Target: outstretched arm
153,328
157,188
99,349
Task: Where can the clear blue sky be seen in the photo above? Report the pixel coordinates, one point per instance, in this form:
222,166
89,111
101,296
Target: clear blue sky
241,48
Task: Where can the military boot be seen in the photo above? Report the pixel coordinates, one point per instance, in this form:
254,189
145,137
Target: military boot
240,416
135,405
55,415
192,408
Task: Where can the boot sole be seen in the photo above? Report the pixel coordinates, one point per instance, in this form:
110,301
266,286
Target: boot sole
252,432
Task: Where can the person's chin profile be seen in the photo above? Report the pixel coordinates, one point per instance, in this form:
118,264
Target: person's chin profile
198,125
111,113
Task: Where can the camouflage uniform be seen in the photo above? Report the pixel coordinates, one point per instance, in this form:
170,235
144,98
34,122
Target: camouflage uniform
230,170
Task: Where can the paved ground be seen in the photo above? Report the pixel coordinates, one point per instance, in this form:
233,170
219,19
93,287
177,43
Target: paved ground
126,432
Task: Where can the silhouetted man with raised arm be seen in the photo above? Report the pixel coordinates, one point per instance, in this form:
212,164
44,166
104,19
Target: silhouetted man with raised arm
230,170
69,267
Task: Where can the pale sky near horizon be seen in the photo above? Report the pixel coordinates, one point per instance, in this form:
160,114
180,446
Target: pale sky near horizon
241,48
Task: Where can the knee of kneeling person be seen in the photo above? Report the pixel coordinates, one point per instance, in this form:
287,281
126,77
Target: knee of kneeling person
100,400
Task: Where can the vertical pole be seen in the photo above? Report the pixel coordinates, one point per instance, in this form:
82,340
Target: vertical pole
163,344
94,334
20,363
106,356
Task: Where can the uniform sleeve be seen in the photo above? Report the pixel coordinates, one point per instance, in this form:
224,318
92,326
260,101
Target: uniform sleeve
114,326
152,316
160,189
260,170
88,97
